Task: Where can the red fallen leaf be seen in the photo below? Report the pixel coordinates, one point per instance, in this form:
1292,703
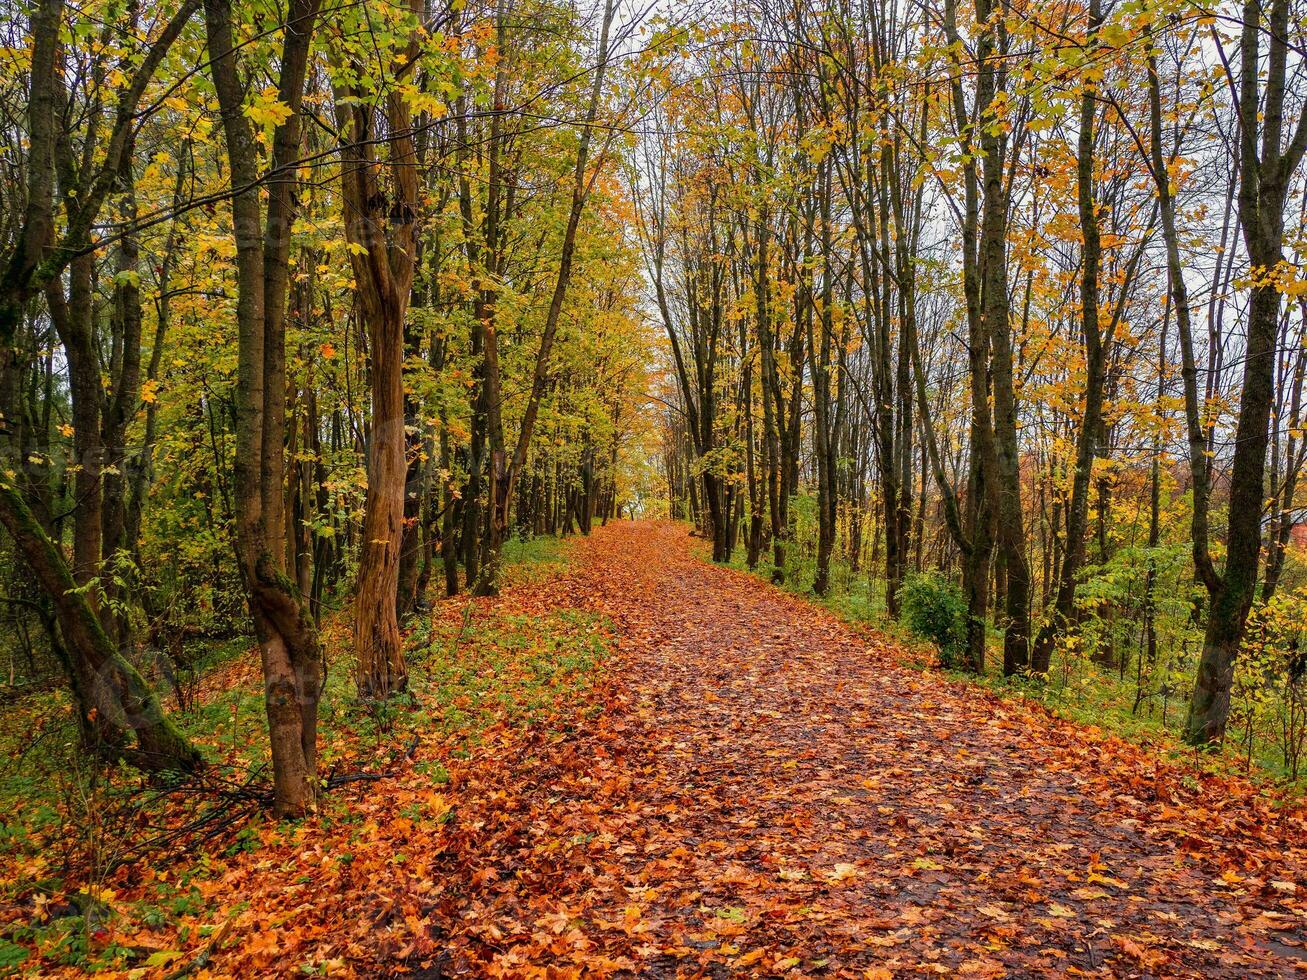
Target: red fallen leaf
981,968
1129,947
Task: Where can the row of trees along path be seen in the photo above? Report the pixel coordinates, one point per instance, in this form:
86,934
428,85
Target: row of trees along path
857,238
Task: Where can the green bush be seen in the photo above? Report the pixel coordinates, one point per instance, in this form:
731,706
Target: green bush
933,608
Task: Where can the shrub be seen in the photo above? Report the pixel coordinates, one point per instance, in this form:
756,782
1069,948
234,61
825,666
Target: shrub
934,609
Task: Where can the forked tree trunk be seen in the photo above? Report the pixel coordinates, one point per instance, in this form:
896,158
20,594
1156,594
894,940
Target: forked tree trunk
382,222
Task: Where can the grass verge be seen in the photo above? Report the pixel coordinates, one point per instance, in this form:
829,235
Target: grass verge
104,870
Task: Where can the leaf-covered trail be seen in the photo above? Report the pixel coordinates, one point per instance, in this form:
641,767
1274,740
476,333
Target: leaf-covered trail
771,794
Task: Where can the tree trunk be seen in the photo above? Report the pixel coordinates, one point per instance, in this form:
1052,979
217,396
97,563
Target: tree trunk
1091,422
382,222
381,670
1265,176
114,697
283,625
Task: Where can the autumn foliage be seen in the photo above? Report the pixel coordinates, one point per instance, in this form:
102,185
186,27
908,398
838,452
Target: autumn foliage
743,488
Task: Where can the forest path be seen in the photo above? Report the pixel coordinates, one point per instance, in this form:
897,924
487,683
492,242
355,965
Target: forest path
774,793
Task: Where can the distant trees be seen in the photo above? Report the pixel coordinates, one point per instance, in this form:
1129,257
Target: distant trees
948,245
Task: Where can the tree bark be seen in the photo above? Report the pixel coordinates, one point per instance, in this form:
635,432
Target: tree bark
283,624
382,227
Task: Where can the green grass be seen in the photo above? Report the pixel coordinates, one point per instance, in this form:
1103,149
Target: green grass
513,668
530,559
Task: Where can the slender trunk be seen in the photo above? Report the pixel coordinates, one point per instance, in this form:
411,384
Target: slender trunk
283,624
1092,420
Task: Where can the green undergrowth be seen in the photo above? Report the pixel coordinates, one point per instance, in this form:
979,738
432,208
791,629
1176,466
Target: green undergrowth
68,825
532,559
